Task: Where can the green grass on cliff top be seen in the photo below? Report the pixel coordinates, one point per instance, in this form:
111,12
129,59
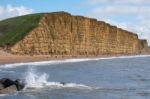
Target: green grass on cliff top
14,29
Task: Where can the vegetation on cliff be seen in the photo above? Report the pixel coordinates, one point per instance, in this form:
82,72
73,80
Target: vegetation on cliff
60,33
14,29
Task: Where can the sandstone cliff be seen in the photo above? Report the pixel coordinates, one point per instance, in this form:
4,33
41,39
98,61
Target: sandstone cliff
144,48
60,33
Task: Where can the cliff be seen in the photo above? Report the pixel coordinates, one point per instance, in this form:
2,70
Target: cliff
60,33
144,46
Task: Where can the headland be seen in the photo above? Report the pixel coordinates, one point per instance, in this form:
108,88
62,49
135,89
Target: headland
59,35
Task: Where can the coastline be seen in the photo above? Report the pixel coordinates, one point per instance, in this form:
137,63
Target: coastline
10,59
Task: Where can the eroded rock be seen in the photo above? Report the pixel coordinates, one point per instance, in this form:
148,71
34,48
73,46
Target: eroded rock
61,33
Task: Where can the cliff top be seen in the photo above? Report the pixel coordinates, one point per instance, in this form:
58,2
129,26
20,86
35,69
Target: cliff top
14,29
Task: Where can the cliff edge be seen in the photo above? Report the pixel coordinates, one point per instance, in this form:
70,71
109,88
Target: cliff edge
60,33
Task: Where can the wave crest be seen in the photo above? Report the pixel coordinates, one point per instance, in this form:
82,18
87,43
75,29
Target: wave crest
35,81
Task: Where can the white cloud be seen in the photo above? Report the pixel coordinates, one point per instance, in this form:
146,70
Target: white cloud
134,14
119,1
120,9
1,10
11,11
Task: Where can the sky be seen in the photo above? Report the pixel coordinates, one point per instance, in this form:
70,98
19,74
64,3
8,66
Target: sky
132,15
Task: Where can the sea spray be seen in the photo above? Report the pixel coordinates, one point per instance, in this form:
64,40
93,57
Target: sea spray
34,79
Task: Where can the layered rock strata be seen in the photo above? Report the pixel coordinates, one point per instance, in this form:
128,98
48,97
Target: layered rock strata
60,33
144,48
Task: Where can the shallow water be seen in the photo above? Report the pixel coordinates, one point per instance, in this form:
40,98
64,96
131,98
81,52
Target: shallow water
105,78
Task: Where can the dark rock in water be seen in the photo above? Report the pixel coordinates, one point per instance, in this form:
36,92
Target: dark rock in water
63,83
20,84
9,86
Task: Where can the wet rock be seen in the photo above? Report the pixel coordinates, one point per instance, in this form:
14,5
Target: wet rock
63,83
9,86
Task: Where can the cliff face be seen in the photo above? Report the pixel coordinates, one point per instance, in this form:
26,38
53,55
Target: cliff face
144,46
63,34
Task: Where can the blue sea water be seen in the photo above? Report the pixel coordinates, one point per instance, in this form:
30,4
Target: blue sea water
126,77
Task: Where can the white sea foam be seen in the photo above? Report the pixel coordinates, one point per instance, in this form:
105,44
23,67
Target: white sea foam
35,80
14,65
3,95
5,71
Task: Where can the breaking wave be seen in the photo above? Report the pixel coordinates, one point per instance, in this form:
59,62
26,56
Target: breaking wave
40,81
3,95
53,62
5,71
36,81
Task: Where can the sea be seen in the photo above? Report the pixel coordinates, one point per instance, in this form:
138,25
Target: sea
123,77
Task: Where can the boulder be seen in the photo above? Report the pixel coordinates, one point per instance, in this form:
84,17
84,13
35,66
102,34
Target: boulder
9,86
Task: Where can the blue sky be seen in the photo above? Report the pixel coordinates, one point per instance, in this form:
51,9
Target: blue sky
132,15
72,6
